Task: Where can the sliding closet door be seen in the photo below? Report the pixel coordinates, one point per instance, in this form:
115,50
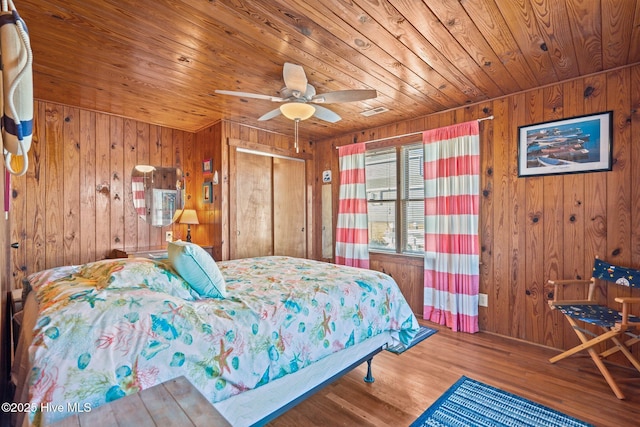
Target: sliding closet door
289,213
253,215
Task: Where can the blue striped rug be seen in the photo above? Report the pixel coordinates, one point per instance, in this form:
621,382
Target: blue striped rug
471,403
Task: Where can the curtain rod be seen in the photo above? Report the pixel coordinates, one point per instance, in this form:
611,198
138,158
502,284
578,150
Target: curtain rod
413,133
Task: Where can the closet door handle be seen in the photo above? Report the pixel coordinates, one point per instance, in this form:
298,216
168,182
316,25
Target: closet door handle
15,245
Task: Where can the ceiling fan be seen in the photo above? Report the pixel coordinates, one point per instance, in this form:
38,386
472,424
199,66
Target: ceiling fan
297,95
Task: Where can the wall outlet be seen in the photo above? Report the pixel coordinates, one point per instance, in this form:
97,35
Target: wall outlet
483,300
168,236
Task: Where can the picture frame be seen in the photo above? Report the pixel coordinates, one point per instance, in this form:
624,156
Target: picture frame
207,192
576,145
207,166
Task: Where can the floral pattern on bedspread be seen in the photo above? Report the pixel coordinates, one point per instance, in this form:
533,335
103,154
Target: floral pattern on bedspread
114,327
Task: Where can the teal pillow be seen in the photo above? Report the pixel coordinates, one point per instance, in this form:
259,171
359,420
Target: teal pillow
197,268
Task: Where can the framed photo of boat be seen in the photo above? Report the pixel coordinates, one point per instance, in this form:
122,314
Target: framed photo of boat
576,145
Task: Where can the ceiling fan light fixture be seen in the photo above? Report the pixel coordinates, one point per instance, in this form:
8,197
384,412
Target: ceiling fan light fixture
297,110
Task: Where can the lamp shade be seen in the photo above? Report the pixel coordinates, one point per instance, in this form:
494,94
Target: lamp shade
144,168
188,216
176,216
297,110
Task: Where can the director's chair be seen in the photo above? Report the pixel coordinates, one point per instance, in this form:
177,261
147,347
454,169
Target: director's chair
614,323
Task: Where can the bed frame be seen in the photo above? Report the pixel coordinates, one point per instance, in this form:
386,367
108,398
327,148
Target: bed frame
368,378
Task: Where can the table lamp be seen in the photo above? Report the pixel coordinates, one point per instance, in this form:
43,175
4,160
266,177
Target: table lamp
186,216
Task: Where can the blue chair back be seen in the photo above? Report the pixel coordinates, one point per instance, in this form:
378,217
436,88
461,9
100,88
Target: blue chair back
613,273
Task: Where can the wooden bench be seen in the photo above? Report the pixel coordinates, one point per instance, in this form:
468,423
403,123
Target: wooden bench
173,403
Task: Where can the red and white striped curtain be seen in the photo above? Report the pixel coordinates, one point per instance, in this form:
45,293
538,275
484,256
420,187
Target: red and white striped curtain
451,206
137,187
352,233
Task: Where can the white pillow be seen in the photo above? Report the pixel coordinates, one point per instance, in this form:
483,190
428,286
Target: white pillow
198,268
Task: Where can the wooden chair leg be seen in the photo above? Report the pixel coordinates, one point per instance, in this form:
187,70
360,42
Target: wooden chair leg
628,343
586,342
631,341
624,350
605,373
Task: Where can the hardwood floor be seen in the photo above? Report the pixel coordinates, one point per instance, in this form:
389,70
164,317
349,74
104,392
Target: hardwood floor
405,385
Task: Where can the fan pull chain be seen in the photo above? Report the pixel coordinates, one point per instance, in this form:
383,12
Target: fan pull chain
295,134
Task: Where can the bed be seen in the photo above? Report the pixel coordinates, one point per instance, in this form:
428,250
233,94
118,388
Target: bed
283,328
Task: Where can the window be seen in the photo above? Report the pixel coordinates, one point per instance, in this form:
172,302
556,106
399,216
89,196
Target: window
381,171
395,196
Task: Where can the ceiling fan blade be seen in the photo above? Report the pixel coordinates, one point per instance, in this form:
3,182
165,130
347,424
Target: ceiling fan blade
270,115
327,115
294,78
345,96
249,95
310,92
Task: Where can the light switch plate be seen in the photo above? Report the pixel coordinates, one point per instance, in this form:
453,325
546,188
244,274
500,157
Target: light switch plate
168,236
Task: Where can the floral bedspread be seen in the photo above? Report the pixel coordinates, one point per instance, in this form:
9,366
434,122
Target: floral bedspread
114,327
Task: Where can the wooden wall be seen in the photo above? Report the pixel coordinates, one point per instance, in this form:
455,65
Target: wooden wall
74,203
539,228
206,145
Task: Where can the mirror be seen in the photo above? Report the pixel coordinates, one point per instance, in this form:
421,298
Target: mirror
157,193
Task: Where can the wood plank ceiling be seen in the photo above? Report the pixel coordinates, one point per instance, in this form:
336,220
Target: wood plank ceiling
160,61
